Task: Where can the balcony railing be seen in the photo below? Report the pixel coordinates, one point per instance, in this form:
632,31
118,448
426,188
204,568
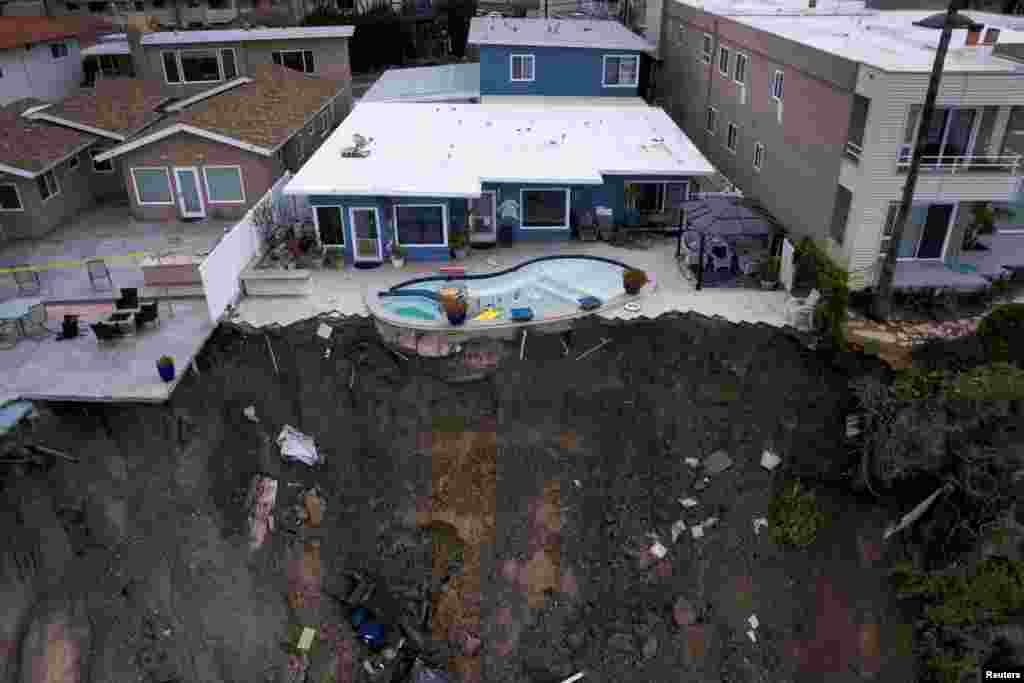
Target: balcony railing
960,164
853,151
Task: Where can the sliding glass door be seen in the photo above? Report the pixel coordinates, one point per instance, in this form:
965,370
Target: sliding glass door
949,136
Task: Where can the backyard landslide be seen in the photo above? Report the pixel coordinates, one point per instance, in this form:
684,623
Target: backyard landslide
530,522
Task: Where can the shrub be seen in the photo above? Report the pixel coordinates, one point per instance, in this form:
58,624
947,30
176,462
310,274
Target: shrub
794,517
1002,332
834,284
165,361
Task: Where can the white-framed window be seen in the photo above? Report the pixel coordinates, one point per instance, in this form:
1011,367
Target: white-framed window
48,185
723,61
329,225
324,122
101,166
10,198
172,74
706,48
298,60
421,225
522,68
758,156
777,79
732,134
621,71
546,208
712,120
739,72
229,68
199,66
73,163
152,186
59,50
224,184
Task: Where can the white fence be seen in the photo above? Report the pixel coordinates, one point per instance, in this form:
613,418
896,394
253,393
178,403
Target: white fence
222,269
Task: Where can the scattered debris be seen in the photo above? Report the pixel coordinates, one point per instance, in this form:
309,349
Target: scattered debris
574,677
576,483
692,462
297,446
709,522
491,261
658,550
306,639
688,502
916,513
314,505
760,522
683,612
702,483
260,504
697,531
273,358
603,343
565,346
324,331
53,452
421,673
250,413
400,355
752,620
769,460
522,347
650,648
677,529
717,462
752,636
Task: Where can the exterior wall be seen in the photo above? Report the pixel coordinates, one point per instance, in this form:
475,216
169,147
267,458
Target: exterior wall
41,217
876,179
35,73
258,173
557,71
106,187
803,138
301,146
330,58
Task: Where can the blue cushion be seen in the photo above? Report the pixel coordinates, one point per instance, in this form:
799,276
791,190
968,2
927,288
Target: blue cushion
589,303
521,314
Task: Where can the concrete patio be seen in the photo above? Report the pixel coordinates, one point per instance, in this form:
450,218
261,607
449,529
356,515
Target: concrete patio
1003,251
344,290
109,232
122,371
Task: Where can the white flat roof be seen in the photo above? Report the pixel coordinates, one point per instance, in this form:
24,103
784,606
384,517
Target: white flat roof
449,150
887,40
426,84
586,33
570,101
242,35
108,47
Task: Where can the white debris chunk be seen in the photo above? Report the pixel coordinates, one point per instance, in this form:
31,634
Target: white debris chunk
298,446
697,531
324,331
758,523
576,483
709,522
658,550
752,636
677,530
250,413
769,460
692,462
752,620
688,502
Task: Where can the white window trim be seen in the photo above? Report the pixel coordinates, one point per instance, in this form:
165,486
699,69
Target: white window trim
163,66
220,62
444,224
604,71
522,206
67,51
730,127
776,76
56,184
723,52
706,55
302,57
355,238
92,155
135,185
181,71
512,72
21,204
711,129
316,222
241,184
746,67
758,156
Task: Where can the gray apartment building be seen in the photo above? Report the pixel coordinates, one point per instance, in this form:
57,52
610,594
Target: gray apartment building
812,110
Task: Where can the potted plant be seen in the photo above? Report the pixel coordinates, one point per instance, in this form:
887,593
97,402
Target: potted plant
165,366
455,305
459,244
397,255
770,273
633,281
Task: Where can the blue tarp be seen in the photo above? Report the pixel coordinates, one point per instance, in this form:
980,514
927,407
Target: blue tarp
11,414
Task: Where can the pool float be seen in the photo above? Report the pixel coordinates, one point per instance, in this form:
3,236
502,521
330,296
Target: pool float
488,314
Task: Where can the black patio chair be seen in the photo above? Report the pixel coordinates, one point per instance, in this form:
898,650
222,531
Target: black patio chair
28,281
129,298
105,332
148,313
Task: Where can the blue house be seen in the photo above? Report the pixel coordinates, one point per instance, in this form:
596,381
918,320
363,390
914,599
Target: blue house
556,58
412,173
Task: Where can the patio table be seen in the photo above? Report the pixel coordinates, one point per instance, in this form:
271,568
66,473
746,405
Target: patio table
17,310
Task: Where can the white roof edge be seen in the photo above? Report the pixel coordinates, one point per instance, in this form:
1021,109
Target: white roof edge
156,136
21,173
242,35
328,191
70,123
199,97
434,97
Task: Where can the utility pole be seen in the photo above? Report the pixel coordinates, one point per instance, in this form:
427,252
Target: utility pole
883,294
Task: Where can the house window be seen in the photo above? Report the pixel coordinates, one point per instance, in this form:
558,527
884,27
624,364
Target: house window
140,6
522,67
101,166
227,59
10,198
712,123
723,61
421,224
706,49
324,122
152,186
59,50
224,184
171,72
758,155
739,73
329,225
621,71
199,66
777,85
48,186
299,60
732,133
545,208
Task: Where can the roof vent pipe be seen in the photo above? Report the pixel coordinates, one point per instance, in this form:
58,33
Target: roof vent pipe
811,4
974,35
991,36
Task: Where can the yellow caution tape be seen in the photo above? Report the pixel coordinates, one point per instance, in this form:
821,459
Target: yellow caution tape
57,265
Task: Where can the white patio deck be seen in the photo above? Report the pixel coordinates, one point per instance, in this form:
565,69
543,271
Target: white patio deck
343,291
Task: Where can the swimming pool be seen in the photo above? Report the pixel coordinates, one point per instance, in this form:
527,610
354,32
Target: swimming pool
551,286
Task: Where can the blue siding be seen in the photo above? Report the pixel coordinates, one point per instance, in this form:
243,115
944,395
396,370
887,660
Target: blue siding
576,72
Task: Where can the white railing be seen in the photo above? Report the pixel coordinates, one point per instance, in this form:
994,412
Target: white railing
853,150
958,164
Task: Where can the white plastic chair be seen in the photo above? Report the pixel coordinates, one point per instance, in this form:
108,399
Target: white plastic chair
801,310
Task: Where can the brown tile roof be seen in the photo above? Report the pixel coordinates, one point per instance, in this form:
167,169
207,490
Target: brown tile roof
266,112
118,105
21,31
34,145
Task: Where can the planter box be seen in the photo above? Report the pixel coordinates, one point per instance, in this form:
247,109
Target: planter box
270,282
172,271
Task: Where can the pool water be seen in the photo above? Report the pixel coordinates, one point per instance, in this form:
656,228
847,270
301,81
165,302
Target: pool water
415,308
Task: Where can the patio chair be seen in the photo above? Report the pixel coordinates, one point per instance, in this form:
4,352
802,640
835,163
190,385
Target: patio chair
800,311
28,281
718,255
105,332
129,298
98,271
10,334
148,313
35,322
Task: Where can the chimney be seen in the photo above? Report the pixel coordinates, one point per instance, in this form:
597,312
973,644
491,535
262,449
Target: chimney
991,36
974,34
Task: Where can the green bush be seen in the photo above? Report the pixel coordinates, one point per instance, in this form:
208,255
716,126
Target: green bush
794,517
834,284
1002,331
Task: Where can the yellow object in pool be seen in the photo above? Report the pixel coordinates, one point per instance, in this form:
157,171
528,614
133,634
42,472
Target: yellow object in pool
488,314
